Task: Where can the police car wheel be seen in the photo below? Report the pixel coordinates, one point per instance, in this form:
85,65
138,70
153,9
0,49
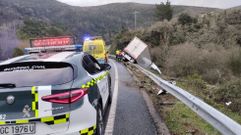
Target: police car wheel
100,121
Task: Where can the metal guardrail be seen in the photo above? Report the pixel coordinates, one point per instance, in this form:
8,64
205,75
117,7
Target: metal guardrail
218,120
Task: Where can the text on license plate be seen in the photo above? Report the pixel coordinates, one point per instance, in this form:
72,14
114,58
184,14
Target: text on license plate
18,129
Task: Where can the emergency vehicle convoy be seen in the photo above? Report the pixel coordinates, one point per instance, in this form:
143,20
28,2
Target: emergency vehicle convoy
54,89
96,47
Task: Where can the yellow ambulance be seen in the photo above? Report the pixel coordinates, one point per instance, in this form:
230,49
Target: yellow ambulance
96,47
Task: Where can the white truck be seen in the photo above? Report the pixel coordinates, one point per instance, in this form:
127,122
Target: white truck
137,51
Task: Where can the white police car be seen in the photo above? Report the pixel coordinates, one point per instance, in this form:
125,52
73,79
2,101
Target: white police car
53,92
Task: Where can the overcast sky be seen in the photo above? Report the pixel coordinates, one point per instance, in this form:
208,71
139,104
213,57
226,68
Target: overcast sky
202,3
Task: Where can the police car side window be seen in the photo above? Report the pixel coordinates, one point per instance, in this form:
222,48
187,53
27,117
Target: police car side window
97,65
89,65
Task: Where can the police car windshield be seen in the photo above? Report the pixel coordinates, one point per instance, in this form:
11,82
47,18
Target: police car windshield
36,75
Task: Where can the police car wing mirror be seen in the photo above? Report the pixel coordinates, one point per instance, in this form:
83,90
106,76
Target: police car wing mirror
91,67
105,66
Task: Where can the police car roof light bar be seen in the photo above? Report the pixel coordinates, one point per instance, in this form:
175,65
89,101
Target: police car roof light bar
54,49
77,48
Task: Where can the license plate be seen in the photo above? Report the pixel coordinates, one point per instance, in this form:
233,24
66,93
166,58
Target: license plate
18,129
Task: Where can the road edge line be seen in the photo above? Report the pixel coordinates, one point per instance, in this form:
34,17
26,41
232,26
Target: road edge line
111,118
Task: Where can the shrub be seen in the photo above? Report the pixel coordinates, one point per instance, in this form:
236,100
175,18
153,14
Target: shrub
186,19
213,61
177,38
17,52
235,63
212,76
187,59
196,81
162,31
230,91
159,55
183,60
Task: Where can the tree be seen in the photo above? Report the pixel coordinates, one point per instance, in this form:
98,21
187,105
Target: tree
8,40
164,11
186,19
34,29
17,52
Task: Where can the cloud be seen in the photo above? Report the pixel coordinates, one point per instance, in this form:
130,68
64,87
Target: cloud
202,3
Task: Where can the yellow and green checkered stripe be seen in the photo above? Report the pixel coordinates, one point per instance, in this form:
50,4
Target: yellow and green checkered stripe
56,119
88,131
35,101
89,84
3,123
94,81
60,119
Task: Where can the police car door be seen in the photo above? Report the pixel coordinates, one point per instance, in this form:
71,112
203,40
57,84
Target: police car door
101,77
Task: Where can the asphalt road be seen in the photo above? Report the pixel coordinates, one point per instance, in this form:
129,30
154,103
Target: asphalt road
131,114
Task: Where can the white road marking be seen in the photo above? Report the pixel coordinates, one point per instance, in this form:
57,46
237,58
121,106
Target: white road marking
111,119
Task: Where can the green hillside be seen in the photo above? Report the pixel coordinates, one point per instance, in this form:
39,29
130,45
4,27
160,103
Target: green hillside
37,18
99,20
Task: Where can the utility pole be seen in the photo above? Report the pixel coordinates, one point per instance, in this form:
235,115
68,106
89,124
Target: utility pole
135,15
